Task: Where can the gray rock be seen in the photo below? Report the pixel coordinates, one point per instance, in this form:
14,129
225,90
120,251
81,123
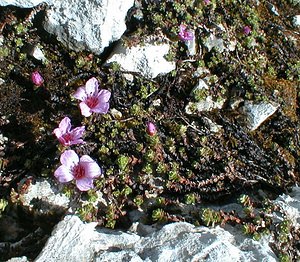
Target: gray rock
43,198
257,113
124,256
191,46
73,240
87,24
36,53
18,259
296,20
205,101
23,3
290,206
147,59
213,42
273,9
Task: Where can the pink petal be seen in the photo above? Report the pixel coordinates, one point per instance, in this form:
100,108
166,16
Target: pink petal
63,141
58,133
69,158
182,28
91,87
101,108
76,142
104,95
91,168
65,125
77,132
84,184
80,94
85,110
63,174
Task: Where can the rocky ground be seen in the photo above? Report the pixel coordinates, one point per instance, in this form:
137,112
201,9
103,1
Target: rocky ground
217,80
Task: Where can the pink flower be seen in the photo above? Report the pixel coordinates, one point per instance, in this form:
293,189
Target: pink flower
68,136
206,2
151,129
247,30
184,34
82,170
36,78
92,99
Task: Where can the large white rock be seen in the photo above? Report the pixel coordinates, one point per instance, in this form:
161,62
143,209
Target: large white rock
72,240
87,24
42,197
257,113
23,3
147,59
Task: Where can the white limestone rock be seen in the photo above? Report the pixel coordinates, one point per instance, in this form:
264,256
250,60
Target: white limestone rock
51,199
23,3
213,42
296,20
191,46
290,206
118,256
147,59
205,102
257,113
71,240
87,24
18,259
37,53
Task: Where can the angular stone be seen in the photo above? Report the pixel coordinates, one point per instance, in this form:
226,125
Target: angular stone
18,259
23,3
71,240
74,240
205,103
296,20
87,24
213,42
257,113
51,200
290,205
147,59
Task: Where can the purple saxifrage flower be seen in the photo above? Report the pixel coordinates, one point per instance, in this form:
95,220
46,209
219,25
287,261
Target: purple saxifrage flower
68,136
246,30
184,34
82,170
151,129
92,100
36,78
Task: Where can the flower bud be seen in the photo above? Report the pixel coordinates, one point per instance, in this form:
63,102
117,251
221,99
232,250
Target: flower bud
151,129
36,78
246,30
